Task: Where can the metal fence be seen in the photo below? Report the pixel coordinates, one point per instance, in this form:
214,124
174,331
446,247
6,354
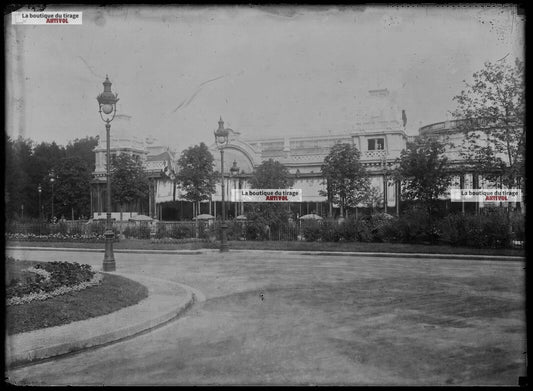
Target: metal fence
471,231
77,227
208,230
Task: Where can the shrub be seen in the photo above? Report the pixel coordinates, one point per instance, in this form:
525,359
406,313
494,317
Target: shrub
127,232
485,230
206,230
363,229
329,231
348,229
256,230
381,224
143,232
181,231
495,229
236,230
454,229
96,227
310,230
61,228
388,232
161,231
76,229
518,225
35,228
414,226
43,229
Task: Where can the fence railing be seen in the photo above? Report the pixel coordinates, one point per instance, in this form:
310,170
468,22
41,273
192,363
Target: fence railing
77,227
483,230
208,230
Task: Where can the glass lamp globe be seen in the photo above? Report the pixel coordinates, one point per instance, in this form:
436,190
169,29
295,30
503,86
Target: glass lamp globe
221,139
107,108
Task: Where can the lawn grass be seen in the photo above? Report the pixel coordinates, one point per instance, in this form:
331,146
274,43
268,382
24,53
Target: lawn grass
114,293
146,244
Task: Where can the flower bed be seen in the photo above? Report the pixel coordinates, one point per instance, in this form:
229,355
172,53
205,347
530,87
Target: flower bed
47,280
58,237
173,240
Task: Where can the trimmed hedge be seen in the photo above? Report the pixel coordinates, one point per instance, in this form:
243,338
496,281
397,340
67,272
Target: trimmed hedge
489,230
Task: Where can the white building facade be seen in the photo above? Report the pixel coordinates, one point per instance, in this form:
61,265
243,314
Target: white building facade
380,134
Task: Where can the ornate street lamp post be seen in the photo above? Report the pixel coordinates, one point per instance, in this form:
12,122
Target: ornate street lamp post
385,181
221,139
234,171
52,176
107,104
39,190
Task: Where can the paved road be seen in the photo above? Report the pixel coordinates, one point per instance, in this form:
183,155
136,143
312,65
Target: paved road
286,318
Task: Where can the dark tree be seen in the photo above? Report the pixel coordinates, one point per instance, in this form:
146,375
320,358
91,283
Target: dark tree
347,182
45,158
18,186
196,174
129,183
492,110
84,149
72,190
271,175
28,165
422,170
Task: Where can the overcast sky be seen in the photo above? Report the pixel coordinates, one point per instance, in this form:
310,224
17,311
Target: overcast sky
267,71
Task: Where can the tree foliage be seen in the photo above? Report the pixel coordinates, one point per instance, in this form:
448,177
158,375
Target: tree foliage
374,198
271,174
46,156
492,108
28,165
84,149
72,192
422,171
196,173
129,182
346,179
17,181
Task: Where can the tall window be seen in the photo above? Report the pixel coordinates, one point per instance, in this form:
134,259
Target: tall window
376,143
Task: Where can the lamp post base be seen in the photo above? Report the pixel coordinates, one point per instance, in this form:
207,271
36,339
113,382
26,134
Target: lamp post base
109,258
224,242
224,248
109,266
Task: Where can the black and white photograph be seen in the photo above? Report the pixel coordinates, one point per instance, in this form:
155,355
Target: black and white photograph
265,195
